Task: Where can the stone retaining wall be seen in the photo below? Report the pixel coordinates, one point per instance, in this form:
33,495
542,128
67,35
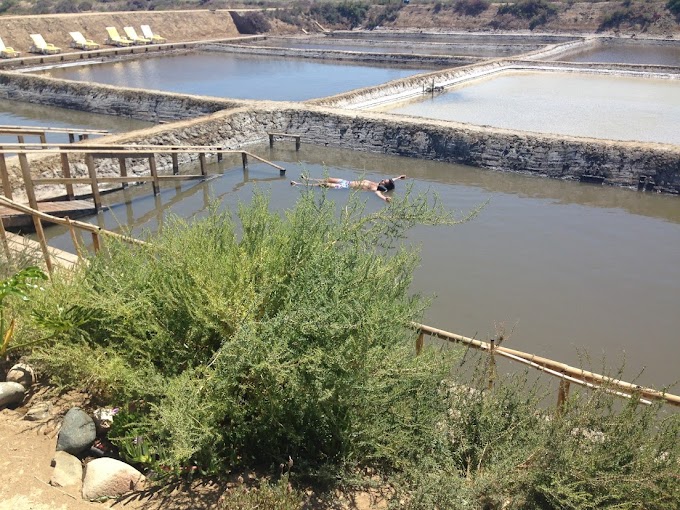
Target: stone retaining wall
618,163
140,104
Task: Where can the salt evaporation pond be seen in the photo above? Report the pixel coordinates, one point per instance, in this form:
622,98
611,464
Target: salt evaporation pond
412,48
15,113
235,76
661,55
598,106
564,266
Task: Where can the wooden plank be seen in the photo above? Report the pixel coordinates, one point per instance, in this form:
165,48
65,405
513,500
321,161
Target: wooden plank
72,208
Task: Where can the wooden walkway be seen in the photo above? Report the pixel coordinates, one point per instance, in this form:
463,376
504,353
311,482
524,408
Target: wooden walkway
21,244
71,208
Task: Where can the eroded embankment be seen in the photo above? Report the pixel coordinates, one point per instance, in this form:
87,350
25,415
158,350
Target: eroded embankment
618,163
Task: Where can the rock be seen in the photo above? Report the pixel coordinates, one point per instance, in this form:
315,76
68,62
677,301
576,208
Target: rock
38,412
22,374
77,432
110,478
103,418
68,471
11,393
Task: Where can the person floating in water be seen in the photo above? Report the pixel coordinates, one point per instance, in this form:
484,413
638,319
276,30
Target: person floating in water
379,188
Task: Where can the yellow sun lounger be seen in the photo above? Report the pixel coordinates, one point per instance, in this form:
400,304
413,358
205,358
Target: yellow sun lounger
131,34
40,46
146,32
7,51
81,43
116,40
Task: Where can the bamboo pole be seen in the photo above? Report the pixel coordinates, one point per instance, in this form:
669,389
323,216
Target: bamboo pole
491,369
95,242
74,238
555,366
420,342
28,180
5,244
43,243
66,169
562,394
4,175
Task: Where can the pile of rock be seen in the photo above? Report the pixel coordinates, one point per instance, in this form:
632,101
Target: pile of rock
74,466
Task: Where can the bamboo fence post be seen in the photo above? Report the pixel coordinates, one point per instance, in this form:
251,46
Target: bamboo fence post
420,342
66,168
244,160
43,243
123,170
492,364
201,159
89,160
154,174
5,244
74,238
95,241
4,175
562,394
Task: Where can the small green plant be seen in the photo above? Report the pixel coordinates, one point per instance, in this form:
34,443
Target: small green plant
18,286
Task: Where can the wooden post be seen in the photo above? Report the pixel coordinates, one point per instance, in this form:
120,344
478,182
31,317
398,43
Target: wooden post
6,184
154,174
297,143
244,159
74,238
420,341
123,170
71,138
562,394
271,140
43,242
28,180
85,136
66,168
95,242
175,163
43,138
201,159
89,160
5,244
20,138
219,157
492,365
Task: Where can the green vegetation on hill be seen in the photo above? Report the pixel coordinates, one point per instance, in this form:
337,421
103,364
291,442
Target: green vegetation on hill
281,342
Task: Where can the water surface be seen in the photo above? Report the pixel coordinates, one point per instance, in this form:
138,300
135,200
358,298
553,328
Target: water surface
619,108
235,76
660,55
563,268
15,113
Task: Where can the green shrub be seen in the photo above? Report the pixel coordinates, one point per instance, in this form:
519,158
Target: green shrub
351,14
674,6
471,7
538,12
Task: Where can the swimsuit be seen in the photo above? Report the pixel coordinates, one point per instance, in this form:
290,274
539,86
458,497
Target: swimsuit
343,184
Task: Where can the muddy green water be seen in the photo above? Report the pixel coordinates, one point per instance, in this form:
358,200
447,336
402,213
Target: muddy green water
566,269
598,106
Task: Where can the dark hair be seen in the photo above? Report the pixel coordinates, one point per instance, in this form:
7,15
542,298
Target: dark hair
387,186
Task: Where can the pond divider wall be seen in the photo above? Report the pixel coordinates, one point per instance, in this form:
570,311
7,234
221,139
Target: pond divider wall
616,163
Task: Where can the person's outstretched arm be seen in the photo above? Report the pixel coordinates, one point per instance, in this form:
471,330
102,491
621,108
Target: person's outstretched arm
383,197
400,177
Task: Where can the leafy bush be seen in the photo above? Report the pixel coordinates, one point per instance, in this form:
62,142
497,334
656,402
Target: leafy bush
674,6
471,7
351,14
538,12
630,16
250,22
386,14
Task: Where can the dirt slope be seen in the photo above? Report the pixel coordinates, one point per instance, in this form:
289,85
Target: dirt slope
176,26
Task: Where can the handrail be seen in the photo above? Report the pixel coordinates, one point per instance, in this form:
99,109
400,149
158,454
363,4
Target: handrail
38,129
561,370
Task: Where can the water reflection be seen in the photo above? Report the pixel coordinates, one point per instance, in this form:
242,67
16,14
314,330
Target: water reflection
235,76
563,266
660,55
618,108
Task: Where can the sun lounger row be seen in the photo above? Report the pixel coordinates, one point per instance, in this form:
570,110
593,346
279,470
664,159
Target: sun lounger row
80,42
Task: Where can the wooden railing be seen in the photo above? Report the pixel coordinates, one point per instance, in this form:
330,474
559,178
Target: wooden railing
41,132
565,373
284,135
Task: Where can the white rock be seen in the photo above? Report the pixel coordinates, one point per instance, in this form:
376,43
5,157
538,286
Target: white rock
11,393
22,374
110,478
68,471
